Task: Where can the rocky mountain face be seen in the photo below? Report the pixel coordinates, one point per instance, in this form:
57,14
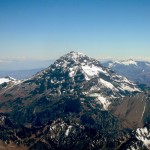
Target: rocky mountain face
75,103
7,82
137,71
73,74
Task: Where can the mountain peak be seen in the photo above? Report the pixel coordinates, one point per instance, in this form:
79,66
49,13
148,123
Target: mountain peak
74,55
75,59
129,62
78,73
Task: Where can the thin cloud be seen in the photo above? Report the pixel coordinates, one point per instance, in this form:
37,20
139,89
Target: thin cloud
137,58
5,61
22,59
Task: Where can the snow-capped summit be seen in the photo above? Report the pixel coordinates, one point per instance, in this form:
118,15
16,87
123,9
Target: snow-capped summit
137,71
7,79
75,61
113,63
129,62
74,55
74,97
78,73
3,80
8,82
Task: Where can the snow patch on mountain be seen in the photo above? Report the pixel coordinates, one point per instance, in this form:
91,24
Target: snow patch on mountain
128,88
148,64
107,84
68,130
9,79
137,71
143,134
76,73
129,62
101,100
92,71
104,102
122,62
3,80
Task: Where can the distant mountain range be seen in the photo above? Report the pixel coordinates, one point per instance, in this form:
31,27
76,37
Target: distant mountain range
20,74
75,103
137,71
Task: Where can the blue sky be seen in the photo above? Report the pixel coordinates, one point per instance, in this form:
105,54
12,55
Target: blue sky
46,29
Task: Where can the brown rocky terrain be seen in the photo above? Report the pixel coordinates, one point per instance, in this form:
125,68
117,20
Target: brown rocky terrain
76,103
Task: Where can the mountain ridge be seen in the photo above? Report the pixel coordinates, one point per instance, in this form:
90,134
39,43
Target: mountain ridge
74,98
137,71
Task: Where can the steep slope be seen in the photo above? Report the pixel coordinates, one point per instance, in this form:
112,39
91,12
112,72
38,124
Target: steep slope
137,71
133,112
73,104
8,79
73,74
7,82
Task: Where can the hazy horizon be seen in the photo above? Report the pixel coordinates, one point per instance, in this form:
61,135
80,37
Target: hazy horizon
17,65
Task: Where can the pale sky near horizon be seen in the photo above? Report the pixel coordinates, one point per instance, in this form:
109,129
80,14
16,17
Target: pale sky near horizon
46,29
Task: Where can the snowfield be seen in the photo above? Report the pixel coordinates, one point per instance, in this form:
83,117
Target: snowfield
3,80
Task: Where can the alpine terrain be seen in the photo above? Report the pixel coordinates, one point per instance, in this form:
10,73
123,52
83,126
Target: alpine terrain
137,71
75,103
7,82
